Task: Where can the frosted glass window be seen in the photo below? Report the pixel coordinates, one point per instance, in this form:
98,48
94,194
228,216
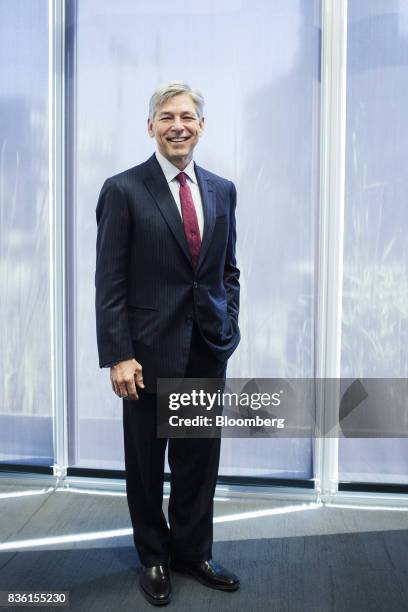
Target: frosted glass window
375,301
25,340
258,65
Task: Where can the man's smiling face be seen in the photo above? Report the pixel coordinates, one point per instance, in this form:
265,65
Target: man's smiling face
177,129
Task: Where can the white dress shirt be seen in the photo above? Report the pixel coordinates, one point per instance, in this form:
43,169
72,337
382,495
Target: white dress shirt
170,172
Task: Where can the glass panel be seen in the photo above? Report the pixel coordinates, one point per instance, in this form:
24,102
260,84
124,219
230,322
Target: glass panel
375,300
26,360
258,66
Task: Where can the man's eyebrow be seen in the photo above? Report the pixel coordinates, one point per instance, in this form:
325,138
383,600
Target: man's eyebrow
164,113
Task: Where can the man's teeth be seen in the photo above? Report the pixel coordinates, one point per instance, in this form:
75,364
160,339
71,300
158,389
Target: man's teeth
177,139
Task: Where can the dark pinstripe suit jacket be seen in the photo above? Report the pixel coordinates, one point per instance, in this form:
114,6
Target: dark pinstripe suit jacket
147,291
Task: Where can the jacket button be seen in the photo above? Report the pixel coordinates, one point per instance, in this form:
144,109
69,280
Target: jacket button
189,319
195,285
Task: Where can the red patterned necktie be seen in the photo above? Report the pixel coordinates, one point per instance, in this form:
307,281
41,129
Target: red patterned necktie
189,215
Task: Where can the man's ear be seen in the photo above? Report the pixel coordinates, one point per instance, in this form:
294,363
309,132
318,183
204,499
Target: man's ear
150,127
201,124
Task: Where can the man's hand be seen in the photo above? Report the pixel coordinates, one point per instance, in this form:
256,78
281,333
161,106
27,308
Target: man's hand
125,377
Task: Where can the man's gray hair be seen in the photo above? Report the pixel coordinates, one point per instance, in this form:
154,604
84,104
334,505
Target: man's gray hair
168,90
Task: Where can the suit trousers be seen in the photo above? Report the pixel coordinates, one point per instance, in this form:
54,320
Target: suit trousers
193,465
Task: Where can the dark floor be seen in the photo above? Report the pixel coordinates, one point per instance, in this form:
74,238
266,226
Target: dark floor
299,558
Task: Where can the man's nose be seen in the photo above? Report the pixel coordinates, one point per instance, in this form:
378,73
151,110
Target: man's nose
177,124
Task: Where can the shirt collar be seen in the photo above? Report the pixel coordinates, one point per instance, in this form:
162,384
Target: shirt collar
170,171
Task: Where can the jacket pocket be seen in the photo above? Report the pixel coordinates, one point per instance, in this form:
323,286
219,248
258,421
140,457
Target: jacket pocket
141,307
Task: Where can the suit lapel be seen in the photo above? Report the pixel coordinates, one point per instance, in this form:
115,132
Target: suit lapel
157,185
208,199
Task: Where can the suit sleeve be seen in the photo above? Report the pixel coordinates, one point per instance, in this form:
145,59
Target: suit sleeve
111,275
231,271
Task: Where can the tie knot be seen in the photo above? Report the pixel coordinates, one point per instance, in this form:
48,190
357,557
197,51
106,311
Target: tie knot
182,178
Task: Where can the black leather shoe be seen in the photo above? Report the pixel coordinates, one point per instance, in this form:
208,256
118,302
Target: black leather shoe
155,585
208,573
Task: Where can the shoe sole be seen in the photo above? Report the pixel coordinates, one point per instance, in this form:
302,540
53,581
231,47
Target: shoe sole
153,600
218,587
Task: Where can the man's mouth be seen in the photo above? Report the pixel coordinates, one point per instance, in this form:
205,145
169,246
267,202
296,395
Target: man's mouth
179,139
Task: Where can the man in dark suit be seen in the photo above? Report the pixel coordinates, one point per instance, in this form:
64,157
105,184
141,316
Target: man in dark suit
167,301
